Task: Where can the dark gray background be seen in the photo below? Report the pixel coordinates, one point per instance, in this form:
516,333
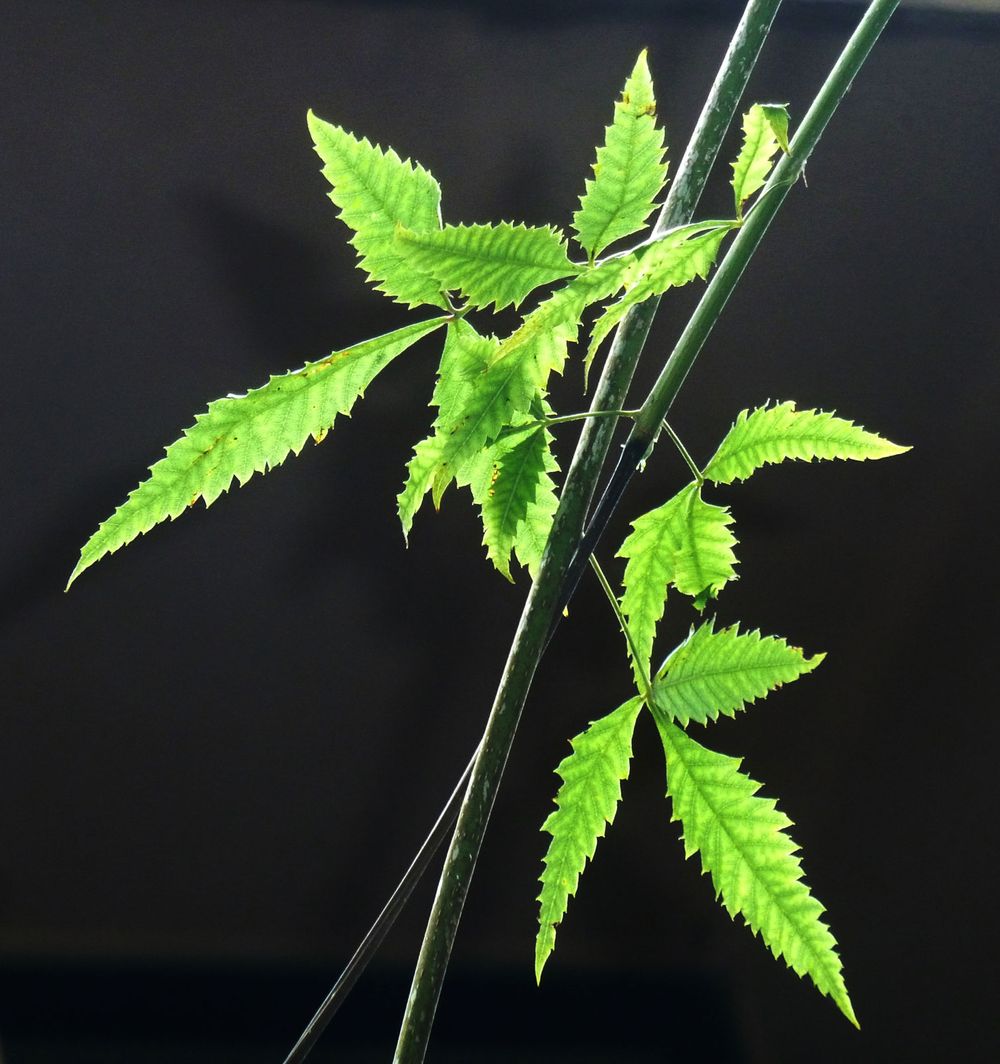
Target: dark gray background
220,749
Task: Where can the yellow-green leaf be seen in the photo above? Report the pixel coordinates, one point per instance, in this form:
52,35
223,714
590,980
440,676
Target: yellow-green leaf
585,804
752,861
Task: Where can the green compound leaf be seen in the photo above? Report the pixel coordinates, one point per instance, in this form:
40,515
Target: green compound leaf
497,264
720,672
772,434
630,170
753,863
765,130
677,258
685,542
376,191
586,803
514,498
246,434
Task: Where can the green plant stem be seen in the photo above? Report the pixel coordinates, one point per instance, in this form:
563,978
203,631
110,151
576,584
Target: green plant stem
785,174
562,419
544,599
684,453
387,917
657,405
647,689
565,419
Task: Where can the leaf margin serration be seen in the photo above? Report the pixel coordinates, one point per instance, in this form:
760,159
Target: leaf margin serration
495,263
764,133
554,900
741,811
375,190
629,172
828,438
246,461
699,679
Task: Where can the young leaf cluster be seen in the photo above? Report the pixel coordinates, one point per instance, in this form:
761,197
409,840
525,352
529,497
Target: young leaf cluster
490,429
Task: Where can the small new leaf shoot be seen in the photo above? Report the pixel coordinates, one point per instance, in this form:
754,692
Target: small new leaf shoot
765,129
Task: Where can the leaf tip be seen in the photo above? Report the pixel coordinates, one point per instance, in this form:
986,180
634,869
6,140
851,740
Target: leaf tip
814,662
315,124
843,1002
85,561
543,950
777,118
637,96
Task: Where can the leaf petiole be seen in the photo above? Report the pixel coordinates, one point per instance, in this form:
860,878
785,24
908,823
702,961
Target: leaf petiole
647,687
563,419
699,479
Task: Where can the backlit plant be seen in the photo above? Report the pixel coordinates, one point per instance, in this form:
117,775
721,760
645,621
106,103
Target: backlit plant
492,432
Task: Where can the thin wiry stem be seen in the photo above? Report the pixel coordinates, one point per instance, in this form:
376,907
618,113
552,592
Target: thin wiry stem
386,918
684,453
647,688
564,419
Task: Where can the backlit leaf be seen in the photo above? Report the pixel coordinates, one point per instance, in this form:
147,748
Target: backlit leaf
486,264
586,802
515,489
753,863
629,172
720,672
772,434
686,543
765,129
376,191
246,434
677,258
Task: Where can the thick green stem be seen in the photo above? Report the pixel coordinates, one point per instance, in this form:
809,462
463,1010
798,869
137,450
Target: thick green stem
654,410
542,606
785,174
